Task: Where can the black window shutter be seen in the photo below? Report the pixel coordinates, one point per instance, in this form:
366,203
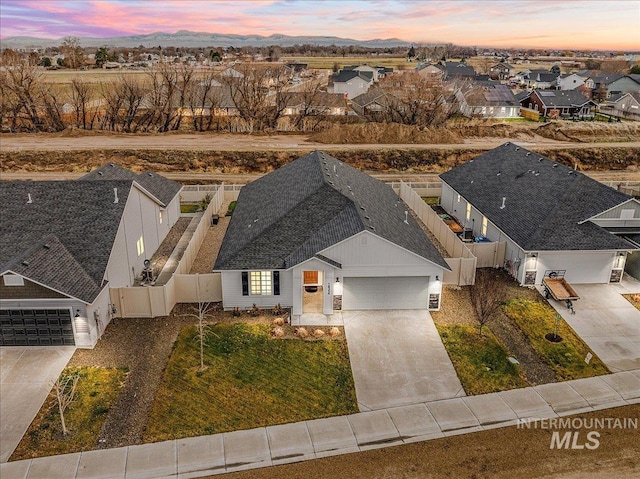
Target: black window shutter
245,283
276,283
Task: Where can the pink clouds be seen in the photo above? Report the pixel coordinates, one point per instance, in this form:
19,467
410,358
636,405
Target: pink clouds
539,23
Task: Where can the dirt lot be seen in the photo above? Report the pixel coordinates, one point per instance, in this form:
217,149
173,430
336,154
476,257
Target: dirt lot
499,453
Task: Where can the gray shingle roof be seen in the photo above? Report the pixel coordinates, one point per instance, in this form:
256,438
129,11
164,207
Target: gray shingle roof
162,188
344,76
78,222
561,98
295,212
454,69
545,202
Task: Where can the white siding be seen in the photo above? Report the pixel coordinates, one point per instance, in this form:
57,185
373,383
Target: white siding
580,266
624,215
232,292
366,254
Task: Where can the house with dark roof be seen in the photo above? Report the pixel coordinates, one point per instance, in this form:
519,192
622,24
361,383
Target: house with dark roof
501,71
458,70
552,218
613,83
622,105
64,244
560,103
350,83
488,101
318,236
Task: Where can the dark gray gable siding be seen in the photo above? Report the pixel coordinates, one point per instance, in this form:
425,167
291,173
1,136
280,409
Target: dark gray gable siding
288,216
159,186
544,203
82,220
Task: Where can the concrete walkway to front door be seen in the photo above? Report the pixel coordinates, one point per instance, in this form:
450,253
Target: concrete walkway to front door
397,358
26,377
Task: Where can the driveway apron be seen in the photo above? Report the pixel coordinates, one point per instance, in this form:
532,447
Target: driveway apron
397,358
26,377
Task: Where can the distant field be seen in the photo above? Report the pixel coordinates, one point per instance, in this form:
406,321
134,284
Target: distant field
325,63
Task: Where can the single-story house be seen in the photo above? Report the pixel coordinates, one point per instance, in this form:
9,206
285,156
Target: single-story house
623,105
318,236
612,84
571,81
371,104
552,218
316,103
488,101
560,103
65,243
432,73
458,70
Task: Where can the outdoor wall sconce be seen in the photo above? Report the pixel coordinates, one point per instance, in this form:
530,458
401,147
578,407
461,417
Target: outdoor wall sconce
437,278
77,313
337,279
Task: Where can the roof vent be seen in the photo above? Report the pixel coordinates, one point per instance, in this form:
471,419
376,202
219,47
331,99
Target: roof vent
100,173
528,153
471,181
555,165
373,228
504,200
368,217
29,200
517,148
150,174
537,173
111,165
540,159
25,263
331,183
499,173
406,217
115,195
46,246
362,208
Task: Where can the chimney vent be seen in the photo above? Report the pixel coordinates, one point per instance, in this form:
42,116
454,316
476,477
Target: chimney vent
504,200
406,217
29,200
115,195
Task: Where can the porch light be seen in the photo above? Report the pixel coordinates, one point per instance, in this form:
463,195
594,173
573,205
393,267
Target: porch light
77,313
337,279
437,278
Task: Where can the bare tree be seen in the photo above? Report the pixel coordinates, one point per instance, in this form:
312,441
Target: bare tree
73,53
259,94
203,98
65,390
308,96
203,331
487,294
413,100
83,103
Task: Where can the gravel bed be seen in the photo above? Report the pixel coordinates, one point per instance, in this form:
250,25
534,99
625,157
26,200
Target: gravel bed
430,235
208,252
143,346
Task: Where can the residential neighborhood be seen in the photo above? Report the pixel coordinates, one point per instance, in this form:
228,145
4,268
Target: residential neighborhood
294,239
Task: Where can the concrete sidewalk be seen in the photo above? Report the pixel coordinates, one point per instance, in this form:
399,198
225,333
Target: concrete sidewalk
239,450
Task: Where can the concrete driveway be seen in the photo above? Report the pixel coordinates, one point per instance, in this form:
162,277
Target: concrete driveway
397,358
26,375
607,322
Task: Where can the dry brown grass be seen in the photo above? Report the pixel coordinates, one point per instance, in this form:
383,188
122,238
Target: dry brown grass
393,133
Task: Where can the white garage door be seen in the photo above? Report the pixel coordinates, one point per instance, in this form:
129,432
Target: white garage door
385,293
581,267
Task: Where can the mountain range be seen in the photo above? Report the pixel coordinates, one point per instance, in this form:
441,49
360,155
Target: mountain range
185,38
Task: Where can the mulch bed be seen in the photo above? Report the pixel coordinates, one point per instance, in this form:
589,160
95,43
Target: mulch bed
208,252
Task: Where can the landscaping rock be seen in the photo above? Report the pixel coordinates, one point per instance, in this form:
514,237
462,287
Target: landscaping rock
334,332
277,332
318,333
302,333
278,322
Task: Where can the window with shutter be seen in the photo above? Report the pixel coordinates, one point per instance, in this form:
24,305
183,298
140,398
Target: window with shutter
245,283
276,283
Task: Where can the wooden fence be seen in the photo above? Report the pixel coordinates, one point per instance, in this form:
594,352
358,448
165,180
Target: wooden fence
182,287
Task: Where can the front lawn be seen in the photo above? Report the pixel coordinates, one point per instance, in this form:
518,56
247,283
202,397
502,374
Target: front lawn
97,389
481,362
251,380
567,357
189,207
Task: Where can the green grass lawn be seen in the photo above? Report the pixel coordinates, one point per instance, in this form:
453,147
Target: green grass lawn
480,361
566,358
251,381
431,200
189,207
97,389
232,207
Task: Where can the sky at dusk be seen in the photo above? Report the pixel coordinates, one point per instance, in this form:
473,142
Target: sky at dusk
574,24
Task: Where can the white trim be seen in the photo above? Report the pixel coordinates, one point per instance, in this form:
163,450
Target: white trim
612,208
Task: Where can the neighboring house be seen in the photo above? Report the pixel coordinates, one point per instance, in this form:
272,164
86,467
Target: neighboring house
370,104
458,70
375,71
612,84
350,83
65,243
501,71
623,105
558,103
318,103
552,218
572,81
432,73
540,79
488,101
317,235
